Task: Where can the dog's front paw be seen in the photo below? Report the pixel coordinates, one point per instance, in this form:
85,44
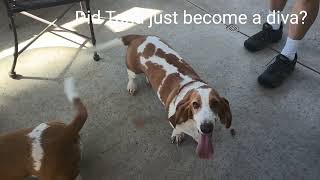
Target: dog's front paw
177,137
132,87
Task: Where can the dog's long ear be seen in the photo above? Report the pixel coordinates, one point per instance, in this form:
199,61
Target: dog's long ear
224,112
183,111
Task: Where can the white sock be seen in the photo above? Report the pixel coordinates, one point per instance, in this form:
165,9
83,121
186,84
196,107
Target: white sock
274,21
291,48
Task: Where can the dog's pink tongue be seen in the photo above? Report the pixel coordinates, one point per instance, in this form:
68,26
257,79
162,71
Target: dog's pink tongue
205,148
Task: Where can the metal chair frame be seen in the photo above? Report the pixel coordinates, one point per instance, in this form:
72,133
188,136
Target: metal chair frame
17,52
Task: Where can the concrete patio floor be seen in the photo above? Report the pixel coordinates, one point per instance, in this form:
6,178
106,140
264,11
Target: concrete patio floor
278,130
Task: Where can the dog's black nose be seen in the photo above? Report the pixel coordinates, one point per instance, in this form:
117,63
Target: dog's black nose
206,128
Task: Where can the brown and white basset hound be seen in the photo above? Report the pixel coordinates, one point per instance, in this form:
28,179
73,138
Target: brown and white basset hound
193,106
49,151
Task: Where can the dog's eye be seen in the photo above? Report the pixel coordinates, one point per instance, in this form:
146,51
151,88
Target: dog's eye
196,105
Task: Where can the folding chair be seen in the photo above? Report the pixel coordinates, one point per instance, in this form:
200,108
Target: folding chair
22,6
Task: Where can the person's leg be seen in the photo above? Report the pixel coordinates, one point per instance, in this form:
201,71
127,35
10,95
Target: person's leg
285,62
271,30
298,31
277,6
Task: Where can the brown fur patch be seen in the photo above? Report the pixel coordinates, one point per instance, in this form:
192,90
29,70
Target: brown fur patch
149,51
155,74
129,38
65,152
15,155
133,57
170,85
184,110
181,65
221,107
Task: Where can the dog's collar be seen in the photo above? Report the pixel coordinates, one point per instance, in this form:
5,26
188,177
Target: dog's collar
189,83
173,102
186,85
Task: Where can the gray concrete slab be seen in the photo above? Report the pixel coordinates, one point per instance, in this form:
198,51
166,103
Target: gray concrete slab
277,130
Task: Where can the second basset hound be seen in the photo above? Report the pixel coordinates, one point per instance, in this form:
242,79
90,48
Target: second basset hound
193,106
49,151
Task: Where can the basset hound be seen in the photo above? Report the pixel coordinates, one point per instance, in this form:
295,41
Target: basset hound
193,106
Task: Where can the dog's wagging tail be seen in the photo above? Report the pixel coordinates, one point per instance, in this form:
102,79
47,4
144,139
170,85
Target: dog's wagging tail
81,112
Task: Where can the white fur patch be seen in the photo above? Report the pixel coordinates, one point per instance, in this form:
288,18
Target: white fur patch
36,150
189,127
69,89
132,86
180,96
131,74
205,113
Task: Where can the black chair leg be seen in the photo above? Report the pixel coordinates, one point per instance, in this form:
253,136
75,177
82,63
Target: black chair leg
12,73
96,56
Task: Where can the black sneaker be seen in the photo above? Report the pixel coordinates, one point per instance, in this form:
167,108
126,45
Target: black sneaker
277,72
263,38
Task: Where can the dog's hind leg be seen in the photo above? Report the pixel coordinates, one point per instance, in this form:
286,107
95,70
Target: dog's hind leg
133,67
132,85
